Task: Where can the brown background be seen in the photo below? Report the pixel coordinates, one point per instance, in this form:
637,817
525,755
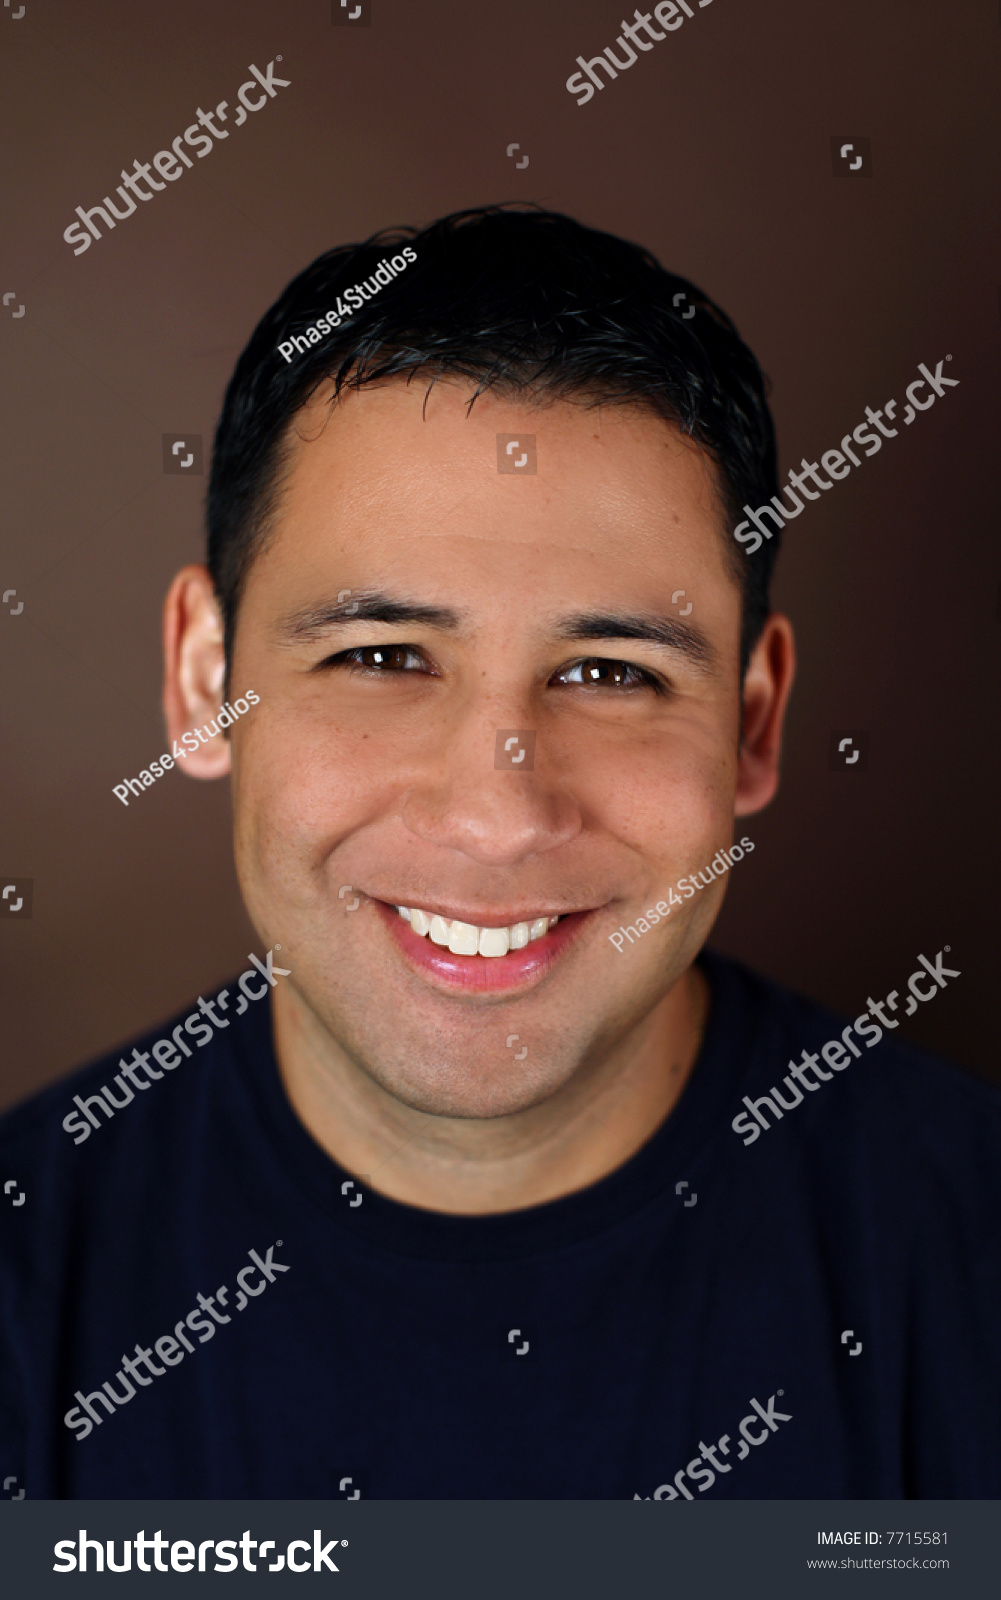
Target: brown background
714,150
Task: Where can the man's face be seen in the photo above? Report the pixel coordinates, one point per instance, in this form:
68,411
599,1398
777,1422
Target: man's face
372,772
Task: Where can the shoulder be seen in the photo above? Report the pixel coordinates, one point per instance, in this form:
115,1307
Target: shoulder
123,1118
857,1078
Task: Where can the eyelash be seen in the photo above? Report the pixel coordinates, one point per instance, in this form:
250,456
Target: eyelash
349,658
641,677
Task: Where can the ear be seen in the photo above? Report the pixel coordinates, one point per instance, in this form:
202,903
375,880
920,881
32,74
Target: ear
194,671
770,673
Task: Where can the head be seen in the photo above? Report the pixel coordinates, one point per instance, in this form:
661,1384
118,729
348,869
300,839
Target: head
406,596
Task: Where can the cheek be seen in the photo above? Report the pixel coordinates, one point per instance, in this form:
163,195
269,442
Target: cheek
300,789
672,797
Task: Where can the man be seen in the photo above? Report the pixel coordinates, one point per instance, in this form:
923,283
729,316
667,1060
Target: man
506,1189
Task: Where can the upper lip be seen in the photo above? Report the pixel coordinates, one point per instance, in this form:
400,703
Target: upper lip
489,919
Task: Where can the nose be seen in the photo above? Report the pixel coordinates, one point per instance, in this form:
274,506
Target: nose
495,815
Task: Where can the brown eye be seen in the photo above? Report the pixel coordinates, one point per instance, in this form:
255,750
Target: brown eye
380,660
598,672
390,658
605,672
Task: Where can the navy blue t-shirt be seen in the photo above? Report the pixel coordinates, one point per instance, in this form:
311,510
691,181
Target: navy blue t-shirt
810,1315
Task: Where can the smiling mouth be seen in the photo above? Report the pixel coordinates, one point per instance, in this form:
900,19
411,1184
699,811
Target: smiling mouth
468,939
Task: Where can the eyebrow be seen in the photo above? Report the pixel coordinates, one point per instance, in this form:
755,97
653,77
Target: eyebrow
311,623
671,634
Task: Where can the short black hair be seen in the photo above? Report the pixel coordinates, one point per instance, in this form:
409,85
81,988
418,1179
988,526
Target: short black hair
515,298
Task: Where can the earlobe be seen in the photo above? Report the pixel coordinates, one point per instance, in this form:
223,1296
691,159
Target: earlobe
767,683
194,670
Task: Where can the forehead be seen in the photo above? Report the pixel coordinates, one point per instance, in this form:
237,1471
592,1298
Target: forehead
395,474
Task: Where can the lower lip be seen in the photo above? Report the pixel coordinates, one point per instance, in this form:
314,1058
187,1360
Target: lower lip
482,974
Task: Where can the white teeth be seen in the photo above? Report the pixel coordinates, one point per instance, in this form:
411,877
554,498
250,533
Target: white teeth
465,939
493,941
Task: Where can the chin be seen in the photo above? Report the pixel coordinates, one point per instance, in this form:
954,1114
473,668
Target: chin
444,1087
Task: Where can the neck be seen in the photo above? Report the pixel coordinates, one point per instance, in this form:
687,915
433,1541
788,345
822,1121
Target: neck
474,1166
